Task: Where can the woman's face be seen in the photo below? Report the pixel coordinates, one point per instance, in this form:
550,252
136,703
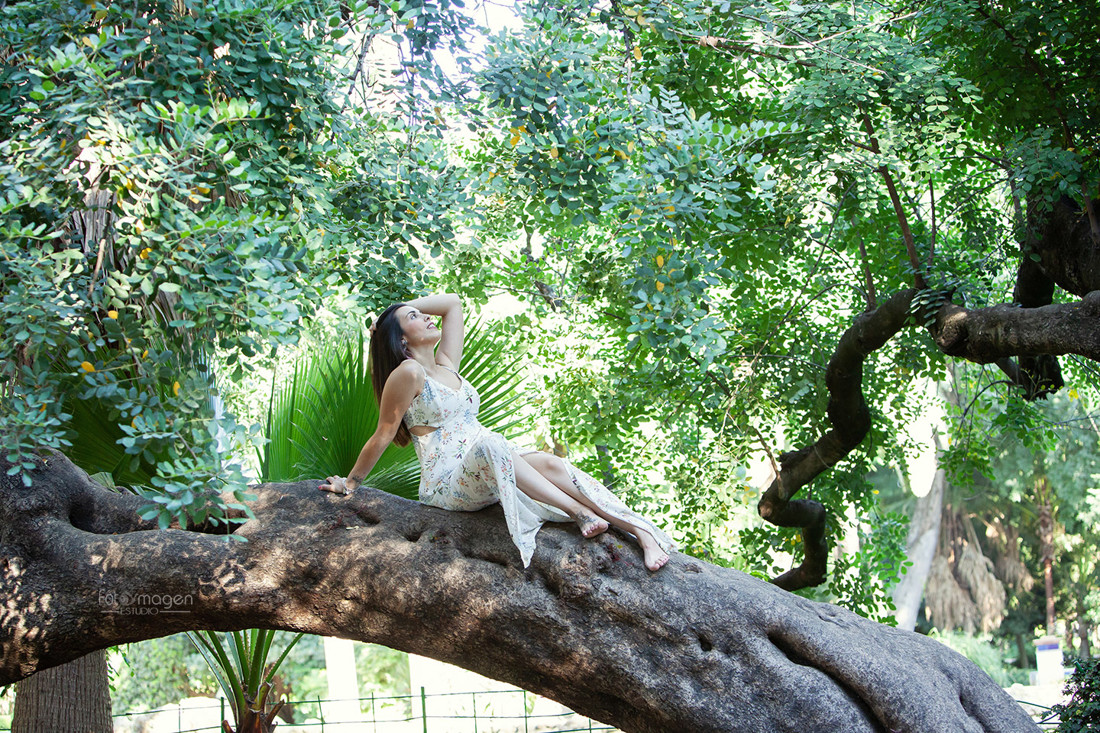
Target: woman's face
418,327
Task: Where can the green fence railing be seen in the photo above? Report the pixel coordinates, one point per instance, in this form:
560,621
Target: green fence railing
488,711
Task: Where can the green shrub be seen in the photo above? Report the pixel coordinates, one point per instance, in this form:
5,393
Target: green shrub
1082,713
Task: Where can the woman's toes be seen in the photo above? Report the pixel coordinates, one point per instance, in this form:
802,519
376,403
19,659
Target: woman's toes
590,525
656,560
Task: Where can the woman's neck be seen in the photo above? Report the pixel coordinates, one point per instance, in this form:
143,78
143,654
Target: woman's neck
424,355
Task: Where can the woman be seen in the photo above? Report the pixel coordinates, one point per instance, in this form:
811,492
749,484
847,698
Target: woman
464,466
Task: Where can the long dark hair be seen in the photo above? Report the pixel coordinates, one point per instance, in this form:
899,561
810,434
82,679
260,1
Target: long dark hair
387,351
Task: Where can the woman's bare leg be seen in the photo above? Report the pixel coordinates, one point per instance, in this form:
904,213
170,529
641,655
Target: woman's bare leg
554,470
538,487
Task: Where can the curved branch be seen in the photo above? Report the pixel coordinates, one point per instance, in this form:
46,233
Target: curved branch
850,420
694,647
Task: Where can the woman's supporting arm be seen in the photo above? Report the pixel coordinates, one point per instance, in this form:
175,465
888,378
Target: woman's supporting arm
404,384
451,326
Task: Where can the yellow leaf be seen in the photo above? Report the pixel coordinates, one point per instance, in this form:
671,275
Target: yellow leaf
410,24
176,389
87,366
112,314
145,353
1073,393
660,286
630,146
144,254
660,260
515,140
554,152
638,53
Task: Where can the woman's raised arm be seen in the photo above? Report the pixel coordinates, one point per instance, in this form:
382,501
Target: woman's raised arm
451,326
404,384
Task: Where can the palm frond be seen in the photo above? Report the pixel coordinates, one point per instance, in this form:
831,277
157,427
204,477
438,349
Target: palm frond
319,420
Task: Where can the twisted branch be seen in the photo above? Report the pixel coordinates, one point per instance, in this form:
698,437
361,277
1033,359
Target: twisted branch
850,419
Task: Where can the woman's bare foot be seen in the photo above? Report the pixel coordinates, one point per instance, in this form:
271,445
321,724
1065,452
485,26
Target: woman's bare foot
653,556
589,524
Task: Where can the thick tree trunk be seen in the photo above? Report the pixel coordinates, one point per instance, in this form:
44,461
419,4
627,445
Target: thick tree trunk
1046,548
924,535
71,698
693,647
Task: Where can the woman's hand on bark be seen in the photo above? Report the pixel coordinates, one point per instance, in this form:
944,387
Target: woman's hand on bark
335,484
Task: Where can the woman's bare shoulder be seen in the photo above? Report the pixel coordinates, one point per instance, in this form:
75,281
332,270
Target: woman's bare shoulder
409,373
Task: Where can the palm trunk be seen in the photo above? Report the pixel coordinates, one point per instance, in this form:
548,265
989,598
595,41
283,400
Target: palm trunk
1046,547
924,533
72,697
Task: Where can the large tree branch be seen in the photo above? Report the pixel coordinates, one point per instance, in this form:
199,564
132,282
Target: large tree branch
692,648
1061,235
985,335
850,419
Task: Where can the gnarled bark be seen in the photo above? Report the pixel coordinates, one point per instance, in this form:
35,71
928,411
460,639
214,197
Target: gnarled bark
1061,248
1068,247
985,335
693,647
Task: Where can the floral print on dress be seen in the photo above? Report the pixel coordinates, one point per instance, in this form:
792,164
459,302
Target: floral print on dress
464,466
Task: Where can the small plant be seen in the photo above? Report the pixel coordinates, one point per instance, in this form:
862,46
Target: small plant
244,674
1082,713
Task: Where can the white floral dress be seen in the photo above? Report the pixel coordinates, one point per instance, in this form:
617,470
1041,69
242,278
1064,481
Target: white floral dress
464,466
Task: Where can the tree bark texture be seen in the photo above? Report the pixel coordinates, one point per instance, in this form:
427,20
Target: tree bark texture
1068,250
1022,341
74,697
693,647
985,335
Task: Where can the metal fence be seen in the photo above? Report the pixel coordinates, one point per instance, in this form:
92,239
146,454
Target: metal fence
489,711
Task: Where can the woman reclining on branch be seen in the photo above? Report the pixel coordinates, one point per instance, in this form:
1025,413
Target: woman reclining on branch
463,465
